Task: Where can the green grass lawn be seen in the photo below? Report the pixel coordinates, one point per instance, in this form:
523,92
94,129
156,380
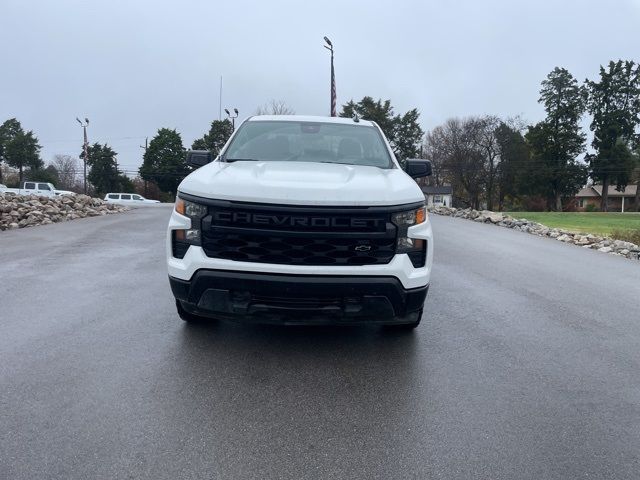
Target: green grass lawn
597,223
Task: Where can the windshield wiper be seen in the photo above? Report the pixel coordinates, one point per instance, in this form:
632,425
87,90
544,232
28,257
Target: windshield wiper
229,160
340,163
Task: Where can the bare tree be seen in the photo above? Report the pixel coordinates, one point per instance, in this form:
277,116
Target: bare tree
484,137
8,175
67,167
468,154
275,107
434,149
462,161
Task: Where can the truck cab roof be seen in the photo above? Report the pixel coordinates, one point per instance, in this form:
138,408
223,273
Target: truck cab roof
310,119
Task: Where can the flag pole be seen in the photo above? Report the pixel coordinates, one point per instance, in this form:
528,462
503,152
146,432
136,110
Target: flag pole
329,47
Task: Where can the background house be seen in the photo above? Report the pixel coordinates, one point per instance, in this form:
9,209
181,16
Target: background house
618,201
438,196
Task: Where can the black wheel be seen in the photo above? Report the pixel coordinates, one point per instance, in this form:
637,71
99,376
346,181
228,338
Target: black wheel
187,316
407,326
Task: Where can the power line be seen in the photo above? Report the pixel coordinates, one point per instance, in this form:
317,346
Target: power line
105,140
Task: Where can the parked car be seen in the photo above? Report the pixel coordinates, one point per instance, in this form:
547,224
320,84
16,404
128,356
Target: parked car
127,199
302,220
34,188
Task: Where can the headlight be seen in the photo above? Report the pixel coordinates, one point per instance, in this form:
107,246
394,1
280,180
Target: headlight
414,247
190,209
410,218
183,238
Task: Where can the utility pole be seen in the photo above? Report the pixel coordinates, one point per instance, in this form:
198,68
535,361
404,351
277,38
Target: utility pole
85,146
232,117
146,145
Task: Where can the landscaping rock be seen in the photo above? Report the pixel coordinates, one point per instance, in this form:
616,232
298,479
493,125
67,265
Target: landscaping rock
595,242
20,211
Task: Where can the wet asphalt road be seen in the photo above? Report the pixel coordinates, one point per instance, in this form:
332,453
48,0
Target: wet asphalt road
526,366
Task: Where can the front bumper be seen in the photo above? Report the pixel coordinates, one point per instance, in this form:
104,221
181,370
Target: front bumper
400,267
299,299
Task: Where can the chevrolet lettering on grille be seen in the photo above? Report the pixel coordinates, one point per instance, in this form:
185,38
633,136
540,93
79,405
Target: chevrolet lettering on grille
248,218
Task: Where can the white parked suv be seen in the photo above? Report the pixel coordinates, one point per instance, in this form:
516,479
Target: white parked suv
301,220
127,199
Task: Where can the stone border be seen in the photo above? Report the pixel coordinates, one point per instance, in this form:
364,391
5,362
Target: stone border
601,244
20,211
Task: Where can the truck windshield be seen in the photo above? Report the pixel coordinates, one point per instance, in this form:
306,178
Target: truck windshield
309,142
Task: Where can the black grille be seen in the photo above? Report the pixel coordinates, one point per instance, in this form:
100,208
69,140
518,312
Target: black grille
297,303
299,236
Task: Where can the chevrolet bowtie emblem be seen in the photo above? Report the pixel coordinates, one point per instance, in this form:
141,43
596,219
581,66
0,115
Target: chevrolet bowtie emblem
363,248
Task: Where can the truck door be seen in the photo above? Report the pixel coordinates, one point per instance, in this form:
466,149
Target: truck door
44,189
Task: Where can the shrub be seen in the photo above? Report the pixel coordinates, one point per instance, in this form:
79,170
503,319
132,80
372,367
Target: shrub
167,197
591,208
570,205
534,203
632,236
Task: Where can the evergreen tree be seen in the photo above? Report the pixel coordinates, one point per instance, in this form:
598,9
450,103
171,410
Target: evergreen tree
47,175
22,151
215,139
557,141
546,176
103,171
164,160
376,111
402,131
126,184
408,135
614,103
514,157
8,130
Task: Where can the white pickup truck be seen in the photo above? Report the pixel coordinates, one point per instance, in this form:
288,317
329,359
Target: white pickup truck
303,220
36,188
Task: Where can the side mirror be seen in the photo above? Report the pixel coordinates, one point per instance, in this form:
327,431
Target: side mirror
199,158
417,168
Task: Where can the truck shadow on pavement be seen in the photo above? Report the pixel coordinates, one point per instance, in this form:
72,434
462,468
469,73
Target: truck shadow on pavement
276,390
299,340
267,375
321,358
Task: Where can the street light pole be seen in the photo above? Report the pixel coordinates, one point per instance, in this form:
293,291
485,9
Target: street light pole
329,46
232,117
85,148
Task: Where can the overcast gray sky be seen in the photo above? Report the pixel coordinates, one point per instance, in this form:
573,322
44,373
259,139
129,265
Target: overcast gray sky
135,66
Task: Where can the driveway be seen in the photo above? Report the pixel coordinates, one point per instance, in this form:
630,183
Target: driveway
526,365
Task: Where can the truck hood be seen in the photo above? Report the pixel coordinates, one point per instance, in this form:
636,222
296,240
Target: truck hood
302,183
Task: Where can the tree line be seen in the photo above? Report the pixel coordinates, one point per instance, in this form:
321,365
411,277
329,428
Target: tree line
502,163
163,161
163,166
492,162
